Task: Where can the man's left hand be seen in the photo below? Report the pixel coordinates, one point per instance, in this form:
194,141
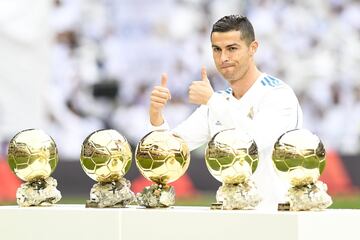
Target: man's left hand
201,91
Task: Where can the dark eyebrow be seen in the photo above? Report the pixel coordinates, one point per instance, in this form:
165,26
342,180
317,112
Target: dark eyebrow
227,46
233,45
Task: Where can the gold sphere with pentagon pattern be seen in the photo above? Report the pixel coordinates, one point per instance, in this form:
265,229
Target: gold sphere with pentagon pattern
162,156
231,156
299,157
105,155
32,155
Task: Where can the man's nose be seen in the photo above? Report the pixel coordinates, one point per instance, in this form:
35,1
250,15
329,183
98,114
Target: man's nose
224,57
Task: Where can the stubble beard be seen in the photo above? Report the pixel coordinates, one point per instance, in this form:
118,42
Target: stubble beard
236,76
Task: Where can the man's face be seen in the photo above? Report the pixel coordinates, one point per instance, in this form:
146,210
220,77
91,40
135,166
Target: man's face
232,55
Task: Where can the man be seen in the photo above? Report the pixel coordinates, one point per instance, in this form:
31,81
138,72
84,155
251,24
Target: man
256,102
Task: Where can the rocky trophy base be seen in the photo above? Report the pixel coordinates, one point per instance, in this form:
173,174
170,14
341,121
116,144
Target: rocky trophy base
116,194
156,196
238,196
309,197
41,192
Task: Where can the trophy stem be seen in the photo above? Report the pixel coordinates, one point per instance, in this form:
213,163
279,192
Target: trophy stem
40,192
238,196
116,194
309,197
157,196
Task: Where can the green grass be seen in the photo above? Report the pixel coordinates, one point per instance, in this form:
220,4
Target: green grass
339,202
348,202
351,201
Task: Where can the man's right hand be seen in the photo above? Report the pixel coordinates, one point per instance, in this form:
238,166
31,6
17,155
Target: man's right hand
159,97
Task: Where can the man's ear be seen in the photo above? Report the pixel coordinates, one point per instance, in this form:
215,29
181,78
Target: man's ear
253,47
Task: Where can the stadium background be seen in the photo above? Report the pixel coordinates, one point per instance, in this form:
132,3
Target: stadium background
71,67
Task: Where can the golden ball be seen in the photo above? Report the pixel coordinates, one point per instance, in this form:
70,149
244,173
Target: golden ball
299,157
231,156
105,155
32,155
162,156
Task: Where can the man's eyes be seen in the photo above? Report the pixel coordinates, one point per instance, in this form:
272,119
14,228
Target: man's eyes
231,49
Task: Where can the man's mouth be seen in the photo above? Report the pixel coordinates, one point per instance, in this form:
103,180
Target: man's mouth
227,66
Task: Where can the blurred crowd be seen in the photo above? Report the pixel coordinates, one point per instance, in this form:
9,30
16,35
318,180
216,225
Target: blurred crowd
108,54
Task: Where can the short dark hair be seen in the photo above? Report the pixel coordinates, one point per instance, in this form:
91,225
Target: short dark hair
235,23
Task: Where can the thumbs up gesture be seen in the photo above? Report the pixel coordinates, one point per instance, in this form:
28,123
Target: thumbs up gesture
158,99
201,91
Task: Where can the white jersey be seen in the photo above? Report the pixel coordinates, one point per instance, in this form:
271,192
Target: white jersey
267,110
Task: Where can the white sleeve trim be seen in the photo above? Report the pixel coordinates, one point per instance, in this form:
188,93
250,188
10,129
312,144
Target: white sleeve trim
164,126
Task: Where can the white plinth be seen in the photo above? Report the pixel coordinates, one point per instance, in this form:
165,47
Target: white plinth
184,223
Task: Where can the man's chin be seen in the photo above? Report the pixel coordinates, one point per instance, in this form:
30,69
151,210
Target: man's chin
228,77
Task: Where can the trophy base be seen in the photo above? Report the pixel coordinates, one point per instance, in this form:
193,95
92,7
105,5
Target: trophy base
40,192
238,196
156,196
216,206
116,194
309,197
284,206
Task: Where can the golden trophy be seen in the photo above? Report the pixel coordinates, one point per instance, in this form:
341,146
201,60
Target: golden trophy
33,156
299,159
231,156
106,157
162,157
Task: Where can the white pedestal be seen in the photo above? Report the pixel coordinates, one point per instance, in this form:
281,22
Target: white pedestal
76,222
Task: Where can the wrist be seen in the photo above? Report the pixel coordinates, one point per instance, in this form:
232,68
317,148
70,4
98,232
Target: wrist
209,100
156,118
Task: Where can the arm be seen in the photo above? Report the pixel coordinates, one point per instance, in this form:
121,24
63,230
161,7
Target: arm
195,129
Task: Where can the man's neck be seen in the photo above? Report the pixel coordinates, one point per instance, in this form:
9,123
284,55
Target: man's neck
241,86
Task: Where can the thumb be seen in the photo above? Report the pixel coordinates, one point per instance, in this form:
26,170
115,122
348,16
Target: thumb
164,79
204,74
